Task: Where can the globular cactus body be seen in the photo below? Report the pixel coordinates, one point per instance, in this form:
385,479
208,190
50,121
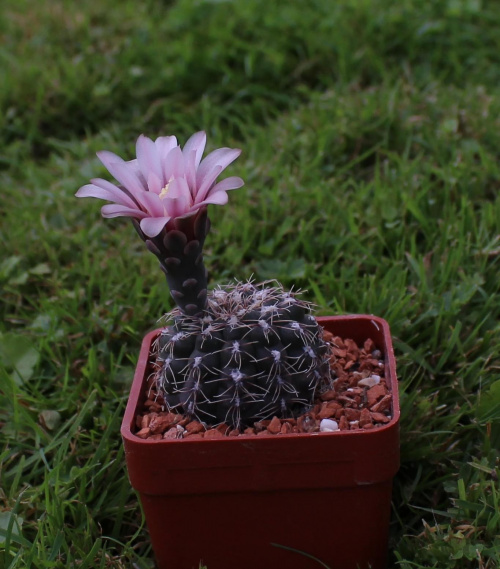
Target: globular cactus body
256,351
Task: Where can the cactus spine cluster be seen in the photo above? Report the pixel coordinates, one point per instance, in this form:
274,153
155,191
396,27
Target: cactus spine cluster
254,352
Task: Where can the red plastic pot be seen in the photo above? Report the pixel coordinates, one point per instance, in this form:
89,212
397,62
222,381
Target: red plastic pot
270,501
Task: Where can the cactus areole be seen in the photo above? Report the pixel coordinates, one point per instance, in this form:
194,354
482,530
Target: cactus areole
241,353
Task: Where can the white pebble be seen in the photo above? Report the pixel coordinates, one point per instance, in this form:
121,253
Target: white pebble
328,426
369,381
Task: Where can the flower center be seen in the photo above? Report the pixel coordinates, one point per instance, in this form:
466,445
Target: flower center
164,190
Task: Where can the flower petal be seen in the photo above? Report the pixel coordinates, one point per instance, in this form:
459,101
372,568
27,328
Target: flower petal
178,188
220,157
219,198
231,183
112,195
114,210
165,145
149,159
151,226
155,184
193,151
122,171
207,183
153,204
136,169
178,199
100,183
189,162
173,166
196,143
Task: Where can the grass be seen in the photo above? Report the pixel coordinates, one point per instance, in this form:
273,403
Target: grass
370,136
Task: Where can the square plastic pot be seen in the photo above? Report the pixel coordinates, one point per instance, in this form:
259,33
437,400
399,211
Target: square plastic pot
269,501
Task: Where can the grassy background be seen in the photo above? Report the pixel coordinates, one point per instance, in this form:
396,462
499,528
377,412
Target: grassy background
370,133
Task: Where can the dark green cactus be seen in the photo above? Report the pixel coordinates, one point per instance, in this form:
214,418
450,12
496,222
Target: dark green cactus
253,353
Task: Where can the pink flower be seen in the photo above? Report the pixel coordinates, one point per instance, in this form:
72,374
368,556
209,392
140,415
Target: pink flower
163,182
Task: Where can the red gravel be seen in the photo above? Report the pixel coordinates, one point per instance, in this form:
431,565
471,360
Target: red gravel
359,398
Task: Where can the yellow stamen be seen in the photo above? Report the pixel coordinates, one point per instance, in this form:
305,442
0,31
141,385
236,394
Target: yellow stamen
164,191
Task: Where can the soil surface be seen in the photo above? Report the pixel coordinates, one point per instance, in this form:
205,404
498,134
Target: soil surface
358,398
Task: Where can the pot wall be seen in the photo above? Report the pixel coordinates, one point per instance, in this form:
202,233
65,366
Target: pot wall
227,501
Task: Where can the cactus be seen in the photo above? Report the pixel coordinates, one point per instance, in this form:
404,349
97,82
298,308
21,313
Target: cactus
255,352
241,353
